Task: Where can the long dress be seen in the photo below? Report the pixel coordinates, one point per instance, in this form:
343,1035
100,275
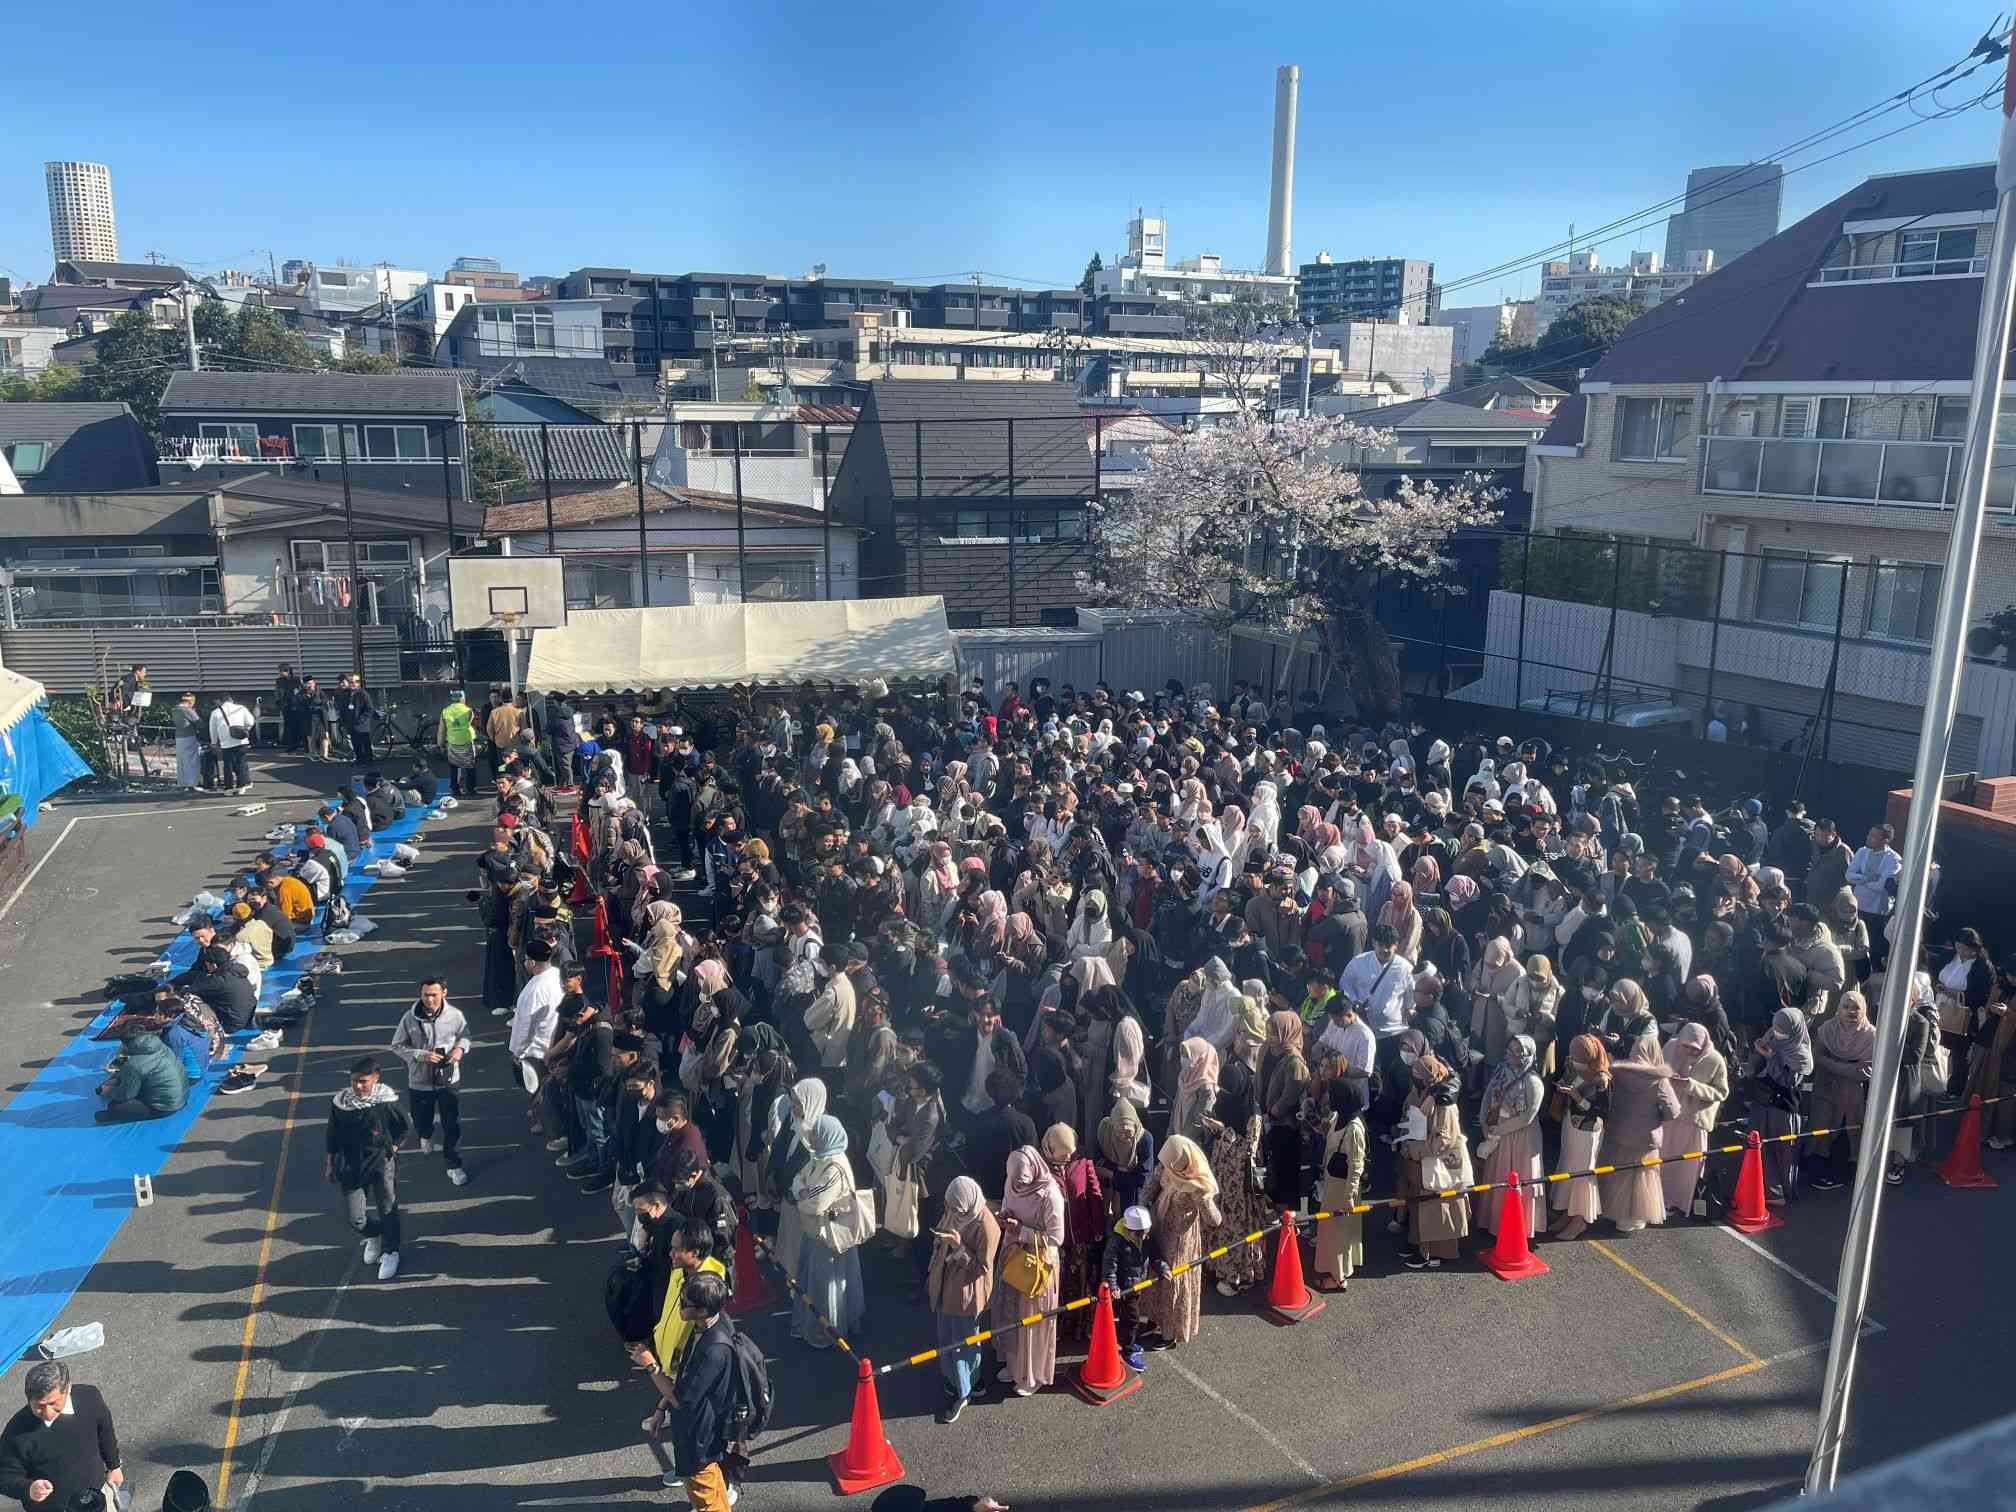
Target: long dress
1436,1225
1641,1099
1029,1355
1518,1154
828,1281
1701,1096
1173,1308
1340,1239
1242,1207
1581,1136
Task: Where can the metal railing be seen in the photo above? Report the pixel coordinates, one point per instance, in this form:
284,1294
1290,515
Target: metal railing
224,449
1848,470
1937,267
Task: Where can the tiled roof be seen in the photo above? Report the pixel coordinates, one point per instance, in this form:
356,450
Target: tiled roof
593,506
1440,414
271,498
1758,320
580,453
434,394
94,448
160,274
591,383
828,414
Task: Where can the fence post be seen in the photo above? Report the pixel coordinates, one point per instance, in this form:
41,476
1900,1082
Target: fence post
1525,587
1442,658
1011,520
356,577
826,510
1099,460
1715,638
741,531
546,474
643,540
1834,664
1607,680
448,516
918,486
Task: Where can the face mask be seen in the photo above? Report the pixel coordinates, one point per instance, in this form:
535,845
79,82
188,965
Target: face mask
664,1126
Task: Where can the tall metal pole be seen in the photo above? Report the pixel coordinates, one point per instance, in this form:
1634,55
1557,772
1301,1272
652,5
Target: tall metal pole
1945,669
356,577
741,530
1715,638
643,540
1525,591
546,474
1308,363
189,330
1011,519
1833,668
825,511
448,521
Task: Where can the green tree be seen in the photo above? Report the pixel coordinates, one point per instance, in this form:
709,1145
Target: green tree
493,466
1092,267
1586,331
54,382
134,361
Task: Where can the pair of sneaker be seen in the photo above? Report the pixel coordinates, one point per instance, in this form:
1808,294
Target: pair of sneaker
386,1260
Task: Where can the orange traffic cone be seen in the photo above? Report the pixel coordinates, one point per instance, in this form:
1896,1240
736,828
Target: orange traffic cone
1749,1212
1511,1258
1962,1168
869,1460
1287,1298
751,1289
1104,1377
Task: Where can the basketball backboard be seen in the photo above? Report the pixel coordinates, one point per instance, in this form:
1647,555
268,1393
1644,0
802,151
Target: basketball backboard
491,593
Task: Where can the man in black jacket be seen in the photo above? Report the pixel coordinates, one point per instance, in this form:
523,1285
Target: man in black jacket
356,711
267,912
590,1048
700,1201
361,1154
61,1444
385,801
703,1398
221,982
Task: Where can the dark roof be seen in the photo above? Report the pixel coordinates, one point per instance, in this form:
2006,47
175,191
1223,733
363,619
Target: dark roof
1509,386
579,453
95,448
1757,319
1440,414
433,394
58,304
589,383
964,440
155,275
153,512
1565,429
590,506
267,500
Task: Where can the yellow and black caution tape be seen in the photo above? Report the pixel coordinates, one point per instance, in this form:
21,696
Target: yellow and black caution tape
763,1251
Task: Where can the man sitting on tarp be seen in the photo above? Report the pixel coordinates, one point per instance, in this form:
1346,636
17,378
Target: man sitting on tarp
147,1080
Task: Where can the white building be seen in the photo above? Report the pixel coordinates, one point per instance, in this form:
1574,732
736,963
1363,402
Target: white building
781,456
28,349
1415,359
346,289
1144,269
80,211
1644,281
1476,327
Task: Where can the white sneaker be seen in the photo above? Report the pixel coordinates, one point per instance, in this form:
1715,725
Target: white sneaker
458,1176
500,1013
426,1147
373,1248
672,1480
389,1266
734,1495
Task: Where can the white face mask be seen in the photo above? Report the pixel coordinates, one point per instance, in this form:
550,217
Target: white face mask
664,1127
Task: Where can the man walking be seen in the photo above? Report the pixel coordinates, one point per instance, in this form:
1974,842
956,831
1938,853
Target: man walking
432,1038
701,1388
361,1155
62,1445
231,726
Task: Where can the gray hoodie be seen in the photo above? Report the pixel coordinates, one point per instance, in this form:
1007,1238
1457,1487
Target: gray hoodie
415,1036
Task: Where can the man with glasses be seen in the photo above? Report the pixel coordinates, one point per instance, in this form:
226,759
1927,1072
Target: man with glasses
700,1390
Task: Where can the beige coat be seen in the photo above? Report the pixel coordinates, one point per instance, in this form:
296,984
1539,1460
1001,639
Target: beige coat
962,1272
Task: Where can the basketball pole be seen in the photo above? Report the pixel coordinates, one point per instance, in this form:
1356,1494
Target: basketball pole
511,652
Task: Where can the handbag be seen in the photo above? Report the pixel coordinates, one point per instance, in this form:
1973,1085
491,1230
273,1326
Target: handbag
881,1151
900,1215
1025,1269
850,1222
1438,1176
1955,1017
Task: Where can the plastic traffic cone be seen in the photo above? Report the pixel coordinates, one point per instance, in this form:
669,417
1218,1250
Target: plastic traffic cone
1287,1298
1748,1212
1104,1378
751,1289
1962,1168
868,1460
1511,1258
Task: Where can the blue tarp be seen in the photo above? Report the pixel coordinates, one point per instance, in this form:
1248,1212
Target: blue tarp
35,760
73,1181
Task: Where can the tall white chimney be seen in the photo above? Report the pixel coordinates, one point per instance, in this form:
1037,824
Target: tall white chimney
1281,204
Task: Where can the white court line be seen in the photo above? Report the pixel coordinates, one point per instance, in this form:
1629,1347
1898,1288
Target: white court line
1869,1325
1266,1433
132,813
274,1429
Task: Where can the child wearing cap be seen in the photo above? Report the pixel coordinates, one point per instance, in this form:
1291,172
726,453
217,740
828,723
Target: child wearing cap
1132,1257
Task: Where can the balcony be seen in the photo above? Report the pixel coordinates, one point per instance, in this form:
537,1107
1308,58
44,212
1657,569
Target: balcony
1896,474
199,450
1943,267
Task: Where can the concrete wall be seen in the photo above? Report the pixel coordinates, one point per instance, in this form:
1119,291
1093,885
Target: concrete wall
248,566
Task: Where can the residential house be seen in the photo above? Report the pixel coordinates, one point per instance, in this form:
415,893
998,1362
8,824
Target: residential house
1529,395
629,548
558,390
786,453
117,275
1440,441
75,448
83,309
395,432
28,348
979,492
1805,413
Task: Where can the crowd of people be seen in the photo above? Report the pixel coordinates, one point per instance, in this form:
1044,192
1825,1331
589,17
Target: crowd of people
1028,993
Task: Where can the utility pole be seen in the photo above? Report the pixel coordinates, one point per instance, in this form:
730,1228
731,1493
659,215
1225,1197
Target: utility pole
189,329
1308,362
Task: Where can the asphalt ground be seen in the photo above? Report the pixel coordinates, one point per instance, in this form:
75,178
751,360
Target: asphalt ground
1676,1368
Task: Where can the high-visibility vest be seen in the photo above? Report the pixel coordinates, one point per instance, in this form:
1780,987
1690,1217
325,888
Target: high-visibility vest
458,722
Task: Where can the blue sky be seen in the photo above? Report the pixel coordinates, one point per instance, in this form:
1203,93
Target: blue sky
917,142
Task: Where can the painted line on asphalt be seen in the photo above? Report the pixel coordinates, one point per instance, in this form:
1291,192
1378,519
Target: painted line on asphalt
1252,1423
1869,1325
1748,1355
132,813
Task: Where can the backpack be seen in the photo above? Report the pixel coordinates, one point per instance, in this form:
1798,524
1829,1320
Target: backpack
751,1412
339,908
626,1297
189,1046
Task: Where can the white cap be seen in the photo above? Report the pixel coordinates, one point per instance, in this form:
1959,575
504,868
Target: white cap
1137,1218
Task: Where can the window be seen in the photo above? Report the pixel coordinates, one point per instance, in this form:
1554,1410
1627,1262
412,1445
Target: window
243,437
1904,600
771,579
592,587
399,443
27,458
333,280
1949,420
321,441
1798,588
1920,253
1654,430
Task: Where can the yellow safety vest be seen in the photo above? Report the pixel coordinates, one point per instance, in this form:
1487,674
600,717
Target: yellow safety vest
458,721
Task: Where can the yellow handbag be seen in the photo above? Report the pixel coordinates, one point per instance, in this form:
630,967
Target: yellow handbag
1025,1269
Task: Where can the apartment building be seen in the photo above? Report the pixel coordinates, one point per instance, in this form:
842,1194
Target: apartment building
1145,271
1646,281
1395,289
1805,412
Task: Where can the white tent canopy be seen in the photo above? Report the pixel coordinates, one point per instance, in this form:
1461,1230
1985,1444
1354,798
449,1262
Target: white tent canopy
18,695
840,641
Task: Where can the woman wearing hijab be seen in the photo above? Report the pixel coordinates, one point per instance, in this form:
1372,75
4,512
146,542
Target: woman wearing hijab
1126,1156
1231,1132
1021,961
1182,1194
965,1253
658,971
1405,918
1032,1217
1263,825
763,1080
1781,1060
1510,1147
1091,932
1843,1048
937,889
1084,1216
1437,1162
1995,1074
1641,1102
791,1119
1284,1077
830,1301
1218,1017
1627,1028
1340,1238
1585,1093
1701,1083
714,1046
1492,981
